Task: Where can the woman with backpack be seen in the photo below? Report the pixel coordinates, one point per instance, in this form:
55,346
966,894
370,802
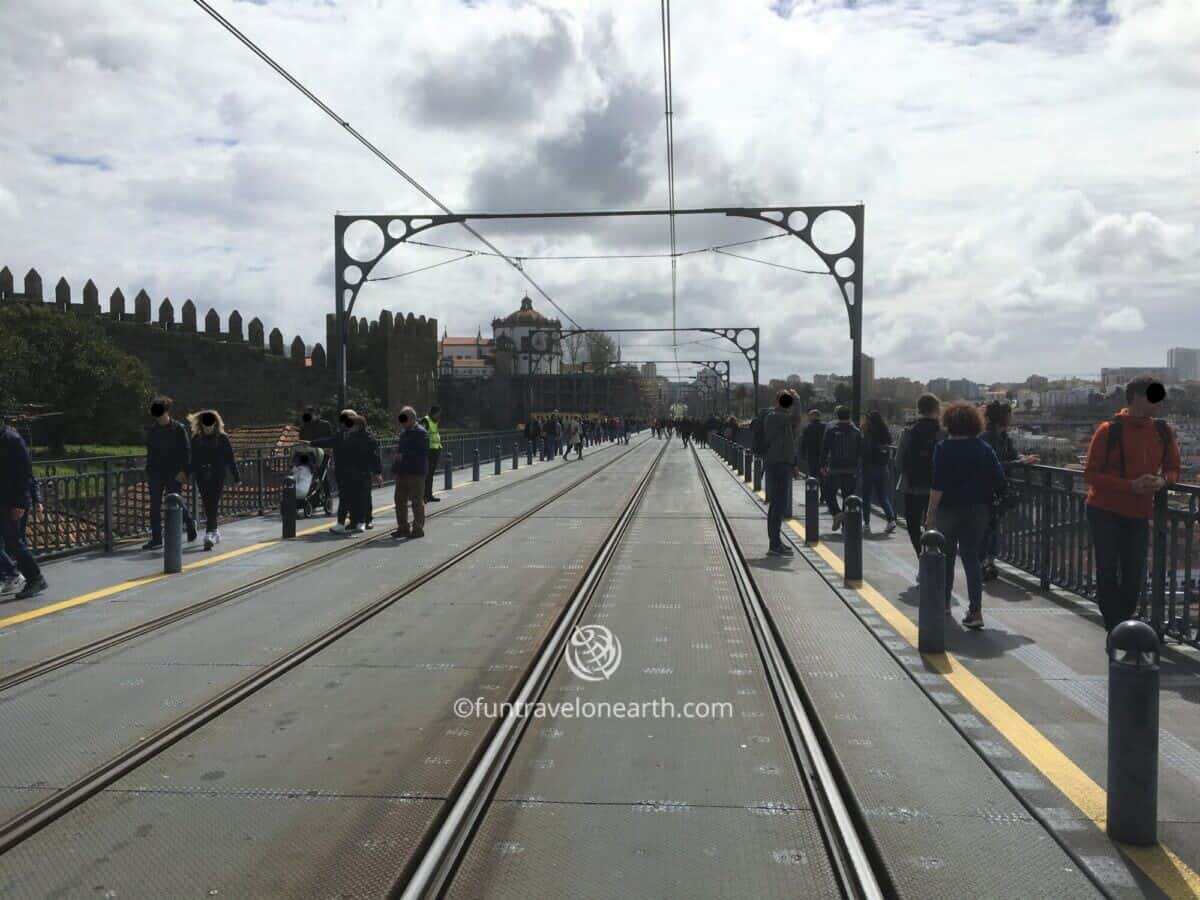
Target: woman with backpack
998,414
212,457
877,445
966,479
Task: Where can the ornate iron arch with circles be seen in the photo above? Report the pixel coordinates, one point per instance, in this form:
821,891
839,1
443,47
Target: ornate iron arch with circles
844,263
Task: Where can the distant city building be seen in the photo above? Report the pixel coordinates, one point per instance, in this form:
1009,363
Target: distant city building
956,389
1185,361
1121,376
1065,397
827,383
868,375
649,370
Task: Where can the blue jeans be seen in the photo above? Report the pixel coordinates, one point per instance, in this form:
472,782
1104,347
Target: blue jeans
963,528
778,478
875,485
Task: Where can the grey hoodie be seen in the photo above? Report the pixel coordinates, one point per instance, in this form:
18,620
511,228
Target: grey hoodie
781,440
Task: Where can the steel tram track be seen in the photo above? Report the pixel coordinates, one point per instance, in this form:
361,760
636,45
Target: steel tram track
34,818
856,873
432,868
91,648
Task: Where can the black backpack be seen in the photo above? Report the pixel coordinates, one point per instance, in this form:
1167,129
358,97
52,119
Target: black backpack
758,436
845,446
1114,439
918,456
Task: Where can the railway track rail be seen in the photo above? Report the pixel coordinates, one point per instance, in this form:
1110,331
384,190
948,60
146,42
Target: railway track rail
91,648
48,810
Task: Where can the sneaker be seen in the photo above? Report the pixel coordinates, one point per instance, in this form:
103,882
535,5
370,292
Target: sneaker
787,550
191,531
400,533
370,526
152,544
838,518
433,499
358,529
216,537
418,533
866,527
889,527
973,620
31,590
12,585
339,528
776,551
208,540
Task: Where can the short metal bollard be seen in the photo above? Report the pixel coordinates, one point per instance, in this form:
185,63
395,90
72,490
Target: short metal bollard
812,510
853,526
173,535
931,611
475,465
516,456
499,456
1133,734
448,469
748,466
287,507
758,473
738,458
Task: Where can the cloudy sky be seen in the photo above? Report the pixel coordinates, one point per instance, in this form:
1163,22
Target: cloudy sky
1030,168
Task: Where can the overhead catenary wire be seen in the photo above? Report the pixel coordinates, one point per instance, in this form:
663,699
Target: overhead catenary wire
585,256
383,157
445,262
669,116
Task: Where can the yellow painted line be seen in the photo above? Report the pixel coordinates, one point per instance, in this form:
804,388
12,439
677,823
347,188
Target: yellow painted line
1172,875
120,587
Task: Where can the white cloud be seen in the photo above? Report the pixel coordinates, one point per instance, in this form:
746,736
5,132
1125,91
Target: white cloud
1125,319
1021,164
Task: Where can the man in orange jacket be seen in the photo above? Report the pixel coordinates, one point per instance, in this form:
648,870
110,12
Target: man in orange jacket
1131,457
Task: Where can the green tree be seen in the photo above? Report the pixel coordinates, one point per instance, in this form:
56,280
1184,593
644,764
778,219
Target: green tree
70,365
601,351
843,393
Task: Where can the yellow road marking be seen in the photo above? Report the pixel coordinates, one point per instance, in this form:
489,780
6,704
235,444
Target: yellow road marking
1172,875
120,587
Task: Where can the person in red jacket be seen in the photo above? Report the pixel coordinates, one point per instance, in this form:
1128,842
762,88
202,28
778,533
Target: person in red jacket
1131,457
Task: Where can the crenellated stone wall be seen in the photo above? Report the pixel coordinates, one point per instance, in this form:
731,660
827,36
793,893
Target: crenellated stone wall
253,377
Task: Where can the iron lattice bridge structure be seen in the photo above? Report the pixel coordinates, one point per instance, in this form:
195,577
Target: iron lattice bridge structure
845,265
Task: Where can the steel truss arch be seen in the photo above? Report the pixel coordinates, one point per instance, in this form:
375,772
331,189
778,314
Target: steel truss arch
845,265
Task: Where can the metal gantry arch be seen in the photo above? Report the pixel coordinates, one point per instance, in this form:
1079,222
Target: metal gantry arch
844,264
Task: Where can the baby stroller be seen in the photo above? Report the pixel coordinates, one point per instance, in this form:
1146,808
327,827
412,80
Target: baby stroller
310,468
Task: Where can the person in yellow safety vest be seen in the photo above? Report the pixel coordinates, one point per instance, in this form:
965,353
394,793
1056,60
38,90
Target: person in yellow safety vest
430,424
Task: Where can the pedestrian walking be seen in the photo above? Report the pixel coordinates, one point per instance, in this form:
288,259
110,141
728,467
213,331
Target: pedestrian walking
997,416
914,459
212,457
429,423
841,455
877,457
1131,457
780,467
357,459
168,458
18,496
966,478
409,467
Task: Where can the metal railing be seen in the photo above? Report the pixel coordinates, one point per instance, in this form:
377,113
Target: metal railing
107,501
1046,534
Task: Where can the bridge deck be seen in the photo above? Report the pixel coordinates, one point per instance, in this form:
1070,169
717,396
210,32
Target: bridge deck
330,779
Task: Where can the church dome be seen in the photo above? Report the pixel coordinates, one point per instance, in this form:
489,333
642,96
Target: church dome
526,315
